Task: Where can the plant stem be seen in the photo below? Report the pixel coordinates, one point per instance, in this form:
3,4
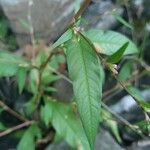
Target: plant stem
10,130
82,9
12,112
128,124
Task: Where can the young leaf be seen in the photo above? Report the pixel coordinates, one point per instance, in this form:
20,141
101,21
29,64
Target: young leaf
135,93
84,71
29,107
125,71
145,105
139,97
144,126
64,38
9,64
65,122
116,57
108,42
121,20
33,79
2,127
112,124
28,140
21,76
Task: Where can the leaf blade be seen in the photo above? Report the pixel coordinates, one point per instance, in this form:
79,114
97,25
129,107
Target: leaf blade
121,20
84,70
65,122
108,42
28,139
116,57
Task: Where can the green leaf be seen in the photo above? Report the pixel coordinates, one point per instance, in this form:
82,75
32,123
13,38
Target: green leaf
84,70
138,96
112,124
65,122
29,107
56,60
125,71
145,105
41,57
116,57
2,127
48,78
1,110
108,42
50,89
121,20
144,126
21,76
28,140
3,28
10,64
135,93
64,38
33,80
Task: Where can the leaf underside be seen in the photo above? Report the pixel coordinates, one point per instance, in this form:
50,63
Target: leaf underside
108,42
84,71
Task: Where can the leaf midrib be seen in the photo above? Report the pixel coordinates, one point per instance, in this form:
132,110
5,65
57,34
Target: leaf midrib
88,88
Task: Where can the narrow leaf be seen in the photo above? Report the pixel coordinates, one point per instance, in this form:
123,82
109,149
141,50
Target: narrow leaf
64,38
121,20
116,57
135,93
144,126
21,76
84,71
112,124
125,71
139,97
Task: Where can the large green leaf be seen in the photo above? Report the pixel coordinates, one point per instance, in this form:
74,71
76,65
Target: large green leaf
28,140
84,71
65,122
108,42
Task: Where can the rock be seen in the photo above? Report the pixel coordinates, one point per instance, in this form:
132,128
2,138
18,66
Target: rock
61,146
49,18
141,145
64,90
99,15
127,103
104,141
